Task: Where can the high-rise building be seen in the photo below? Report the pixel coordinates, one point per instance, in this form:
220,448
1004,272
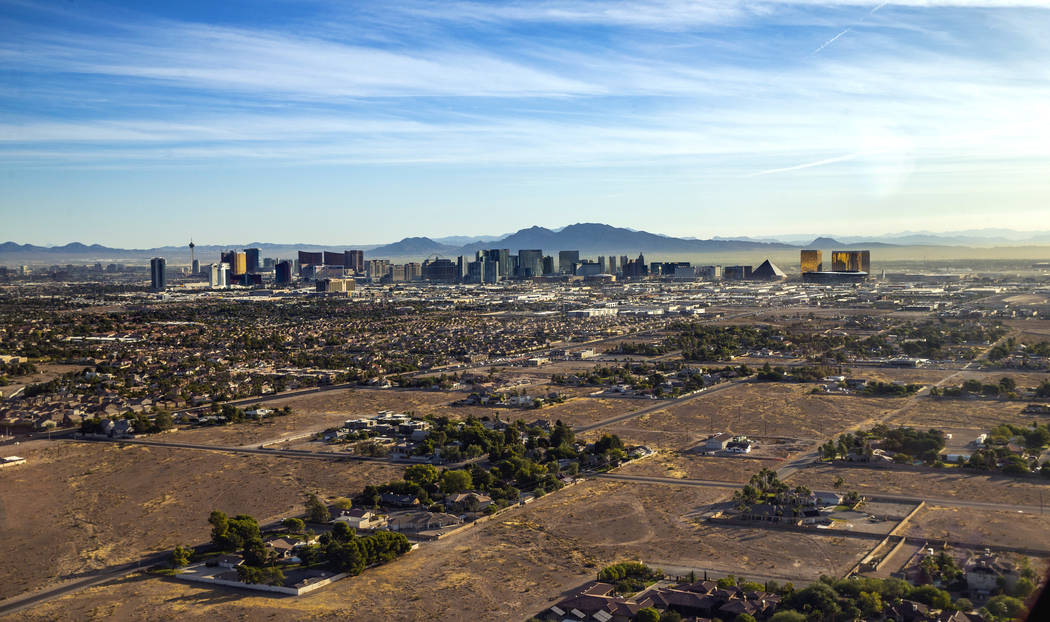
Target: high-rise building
413,271
548,265
329,258
240,264
251,258
610,264
283,272
307,258
213,275
441,271
566,259
501,257
335,285
811,261
193,257
736,273
530,263
226,257
156,272
851,261
195,267
354,260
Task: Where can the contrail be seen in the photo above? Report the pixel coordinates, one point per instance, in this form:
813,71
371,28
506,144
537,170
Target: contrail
830,41
836,37
797,167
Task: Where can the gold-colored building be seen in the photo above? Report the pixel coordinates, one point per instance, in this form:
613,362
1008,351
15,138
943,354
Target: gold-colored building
335,285
240,263
811,261
851,261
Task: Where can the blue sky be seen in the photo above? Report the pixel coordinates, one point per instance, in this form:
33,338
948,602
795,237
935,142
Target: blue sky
145,123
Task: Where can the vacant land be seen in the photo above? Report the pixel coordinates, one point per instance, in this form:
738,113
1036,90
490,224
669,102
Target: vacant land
686,466
948,483
82,507
755,409
928,412
988,528
516,563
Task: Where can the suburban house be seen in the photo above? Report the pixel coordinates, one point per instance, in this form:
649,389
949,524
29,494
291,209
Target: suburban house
359,519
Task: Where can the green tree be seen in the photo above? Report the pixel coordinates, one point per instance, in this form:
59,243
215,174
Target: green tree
744,617
294,525
647,614
342,532
422,474
670,616
180,556
787,616
316,510
455,481
1004,607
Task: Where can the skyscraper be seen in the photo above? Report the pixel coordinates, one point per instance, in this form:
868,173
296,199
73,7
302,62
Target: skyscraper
283,272
501,257
251,256
566,259
354,260
811,261
194,266
530,263
240,263
156,272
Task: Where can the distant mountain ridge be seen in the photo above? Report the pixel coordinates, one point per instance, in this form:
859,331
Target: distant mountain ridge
589,238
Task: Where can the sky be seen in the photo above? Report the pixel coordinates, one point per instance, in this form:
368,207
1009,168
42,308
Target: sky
147,123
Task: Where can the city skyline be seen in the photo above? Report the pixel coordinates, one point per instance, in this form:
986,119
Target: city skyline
138,127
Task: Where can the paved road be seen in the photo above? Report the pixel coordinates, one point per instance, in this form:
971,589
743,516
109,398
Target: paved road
658,405
879,497
31,599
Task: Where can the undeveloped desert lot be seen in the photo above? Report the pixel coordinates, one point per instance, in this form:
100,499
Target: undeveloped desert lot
928,412
986,528
501,570
938,484
755,409
86,506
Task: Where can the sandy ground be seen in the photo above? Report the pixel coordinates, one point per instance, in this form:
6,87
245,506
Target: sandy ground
761,409
685,466
507,569
942,484
990,528
81,507
972,414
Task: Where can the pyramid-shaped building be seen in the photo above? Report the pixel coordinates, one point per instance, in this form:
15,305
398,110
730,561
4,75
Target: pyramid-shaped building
768,271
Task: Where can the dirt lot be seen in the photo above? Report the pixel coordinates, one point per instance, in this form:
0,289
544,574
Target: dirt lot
927,412
942,484
87,506
511,567
690,466
985,528
765,409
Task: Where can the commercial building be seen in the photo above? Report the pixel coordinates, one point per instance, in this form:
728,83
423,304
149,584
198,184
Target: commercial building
218,275
767,271
441,271
812,261
851,261
333,259
709,273
240,264
335,285
736,273
354,260
566,259
156,272
548,265
500,256
310,259
251,257
530,263
283,272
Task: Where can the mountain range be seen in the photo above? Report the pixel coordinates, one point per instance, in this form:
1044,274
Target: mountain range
589,238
